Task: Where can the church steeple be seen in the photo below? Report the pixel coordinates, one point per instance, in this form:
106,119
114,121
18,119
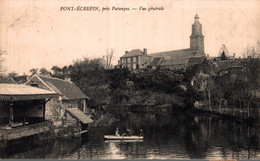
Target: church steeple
196,18
197,38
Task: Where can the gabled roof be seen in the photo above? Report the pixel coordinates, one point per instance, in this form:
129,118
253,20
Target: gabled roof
135,52
176,54
18,92
76,113
66,89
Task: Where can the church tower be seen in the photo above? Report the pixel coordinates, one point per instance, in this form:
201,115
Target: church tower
196,38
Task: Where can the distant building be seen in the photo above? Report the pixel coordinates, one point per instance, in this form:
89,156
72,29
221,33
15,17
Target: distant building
135,59
183,57
7,79
222,57
70,97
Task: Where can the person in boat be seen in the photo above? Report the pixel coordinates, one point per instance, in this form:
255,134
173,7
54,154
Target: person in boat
128,132
141,132
117,132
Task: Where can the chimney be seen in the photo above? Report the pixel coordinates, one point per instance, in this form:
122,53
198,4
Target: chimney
234,54
207,55
145,51
68,79
126,52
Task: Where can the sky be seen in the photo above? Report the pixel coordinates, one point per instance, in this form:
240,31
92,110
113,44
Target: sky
36,33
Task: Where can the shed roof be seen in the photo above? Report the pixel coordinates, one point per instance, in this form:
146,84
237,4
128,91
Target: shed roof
67,89
17,92
85,119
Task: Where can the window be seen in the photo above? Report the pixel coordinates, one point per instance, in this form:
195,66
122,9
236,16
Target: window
123,60
128,60
134,59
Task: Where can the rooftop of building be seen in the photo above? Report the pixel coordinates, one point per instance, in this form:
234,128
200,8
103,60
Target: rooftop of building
135,52
17,92
66,88
176,54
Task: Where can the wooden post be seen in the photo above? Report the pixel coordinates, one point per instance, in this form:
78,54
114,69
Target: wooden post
43,109
220,105
209,100
24,117
84,105
11,113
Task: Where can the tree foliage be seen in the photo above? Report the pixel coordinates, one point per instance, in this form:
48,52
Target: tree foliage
223,52
33,71
44,71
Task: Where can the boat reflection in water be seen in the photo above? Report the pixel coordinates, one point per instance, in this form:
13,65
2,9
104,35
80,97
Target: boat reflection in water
165,137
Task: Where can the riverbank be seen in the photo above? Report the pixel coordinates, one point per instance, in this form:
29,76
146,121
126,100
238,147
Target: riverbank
225,114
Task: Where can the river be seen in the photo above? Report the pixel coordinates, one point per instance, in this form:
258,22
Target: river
166,136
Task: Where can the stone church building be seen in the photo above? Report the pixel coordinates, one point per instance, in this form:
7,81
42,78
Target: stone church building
184,57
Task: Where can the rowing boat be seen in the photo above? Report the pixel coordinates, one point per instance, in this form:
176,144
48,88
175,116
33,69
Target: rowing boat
123,141
113,137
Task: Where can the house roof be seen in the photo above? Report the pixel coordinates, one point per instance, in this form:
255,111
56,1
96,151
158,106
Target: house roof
135,52
176,54
225,64
67,89
173,62
155,61
18,92
85,119
195,60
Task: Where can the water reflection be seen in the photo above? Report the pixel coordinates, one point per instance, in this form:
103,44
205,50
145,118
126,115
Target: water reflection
165,137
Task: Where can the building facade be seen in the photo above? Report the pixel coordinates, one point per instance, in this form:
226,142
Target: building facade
22,111
135,59
70,96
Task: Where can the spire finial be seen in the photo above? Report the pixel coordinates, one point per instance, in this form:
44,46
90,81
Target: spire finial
196,18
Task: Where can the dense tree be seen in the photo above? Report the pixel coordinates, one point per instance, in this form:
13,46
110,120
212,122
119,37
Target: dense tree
13,74
33,71
107,58
18,78
57,72
240,85
223,52
44,71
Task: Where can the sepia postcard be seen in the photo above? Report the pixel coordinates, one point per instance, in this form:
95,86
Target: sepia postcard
130,79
